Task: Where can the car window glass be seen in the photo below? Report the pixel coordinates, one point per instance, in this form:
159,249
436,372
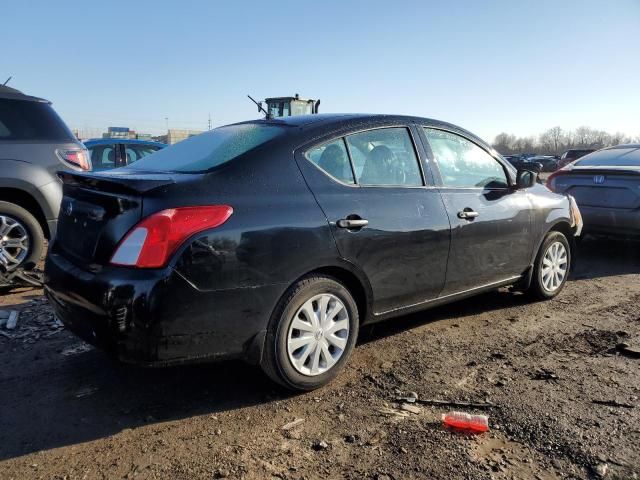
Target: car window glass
611,157
462,163
136,152
26,120
332,158
210,149
103,157
384,156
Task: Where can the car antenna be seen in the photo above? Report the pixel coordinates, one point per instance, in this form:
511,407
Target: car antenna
6,81
267,115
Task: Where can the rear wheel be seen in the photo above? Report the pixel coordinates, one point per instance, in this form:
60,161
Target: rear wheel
21,237
312,333
552,267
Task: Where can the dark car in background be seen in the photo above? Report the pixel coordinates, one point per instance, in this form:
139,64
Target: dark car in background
107,153
524,162
606,186
572,155
34,144
276,240
547,163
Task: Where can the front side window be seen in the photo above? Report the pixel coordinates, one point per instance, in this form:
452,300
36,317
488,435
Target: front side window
332,158
384,156
464,164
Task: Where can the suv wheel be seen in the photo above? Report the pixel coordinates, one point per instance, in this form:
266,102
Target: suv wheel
552,267
21,237
312,333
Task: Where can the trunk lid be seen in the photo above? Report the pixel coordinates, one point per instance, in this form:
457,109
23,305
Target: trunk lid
98,209
602,187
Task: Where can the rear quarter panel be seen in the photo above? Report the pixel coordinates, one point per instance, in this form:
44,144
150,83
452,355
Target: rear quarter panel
276,234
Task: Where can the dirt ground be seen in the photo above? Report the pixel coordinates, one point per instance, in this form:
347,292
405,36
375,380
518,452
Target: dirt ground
562,376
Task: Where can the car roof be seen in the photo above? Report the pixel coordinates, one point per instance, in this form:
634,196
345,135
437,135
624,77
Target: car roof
338,119
10,93
624,145
128,141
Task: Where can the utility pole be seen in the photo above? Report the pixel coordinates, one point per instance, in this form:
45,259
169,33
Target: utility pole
209,121
166,119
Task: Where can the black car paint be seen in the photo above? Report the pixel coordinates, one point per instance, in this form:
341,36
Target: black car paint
217,295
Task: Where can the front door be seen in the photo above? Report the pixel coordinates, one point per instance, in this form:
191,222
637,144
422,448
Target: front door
490,221
385,220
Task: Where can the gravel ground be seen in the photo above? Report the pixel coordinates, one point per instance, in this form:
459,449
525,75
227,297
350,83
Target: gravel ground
562,376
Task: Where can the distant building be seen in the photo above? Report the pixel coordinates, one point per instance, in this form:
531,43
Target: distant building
125,133
177,135
116,132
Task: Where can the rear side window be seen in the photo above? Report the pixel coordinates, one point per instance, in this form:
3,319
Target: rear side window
614,157
332,157
384,156
209,149
136,152
22,120
464,164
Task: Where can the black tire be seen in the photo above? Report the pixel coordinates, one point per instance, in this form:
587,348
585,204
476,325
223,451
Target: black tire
33,229
537,289
275,359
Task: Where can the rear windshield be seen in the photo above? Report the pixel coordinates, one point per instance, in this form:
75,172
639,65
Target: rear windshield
615,157
24,120
209,149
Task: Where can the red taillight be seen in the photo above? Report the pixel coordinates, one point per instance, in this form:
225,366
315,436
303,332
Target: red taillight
550,178
151,243
75,158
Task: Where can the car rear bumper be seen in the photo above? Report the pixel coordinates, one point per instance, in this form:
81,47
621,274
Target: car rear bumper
611,220
156,317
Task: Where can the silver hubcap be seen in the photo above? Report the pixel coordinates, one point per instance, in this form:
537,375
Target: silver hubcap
318,334
14,242
554,266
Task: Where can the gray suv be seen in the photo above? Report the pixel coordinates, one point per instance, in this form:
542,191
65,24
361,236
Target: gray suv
34,144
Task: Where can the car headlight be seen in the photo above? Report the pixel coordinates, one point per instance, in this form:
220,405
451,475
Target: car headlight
576,216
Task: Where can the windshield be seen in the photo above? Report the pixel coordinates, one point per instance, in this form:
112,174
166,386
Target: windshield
615,157
209,149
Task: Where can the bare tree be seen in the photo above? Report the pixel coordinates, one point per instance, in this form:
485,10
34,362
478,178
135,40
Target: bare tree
552,140
556,140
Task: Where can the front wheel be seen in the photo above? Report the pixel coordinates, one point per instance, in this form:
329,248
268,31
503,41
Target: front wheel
311,334
552,267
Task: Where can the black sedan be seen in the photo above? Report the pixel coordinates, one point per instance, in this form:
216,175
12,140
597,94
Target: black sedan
606,185
276,240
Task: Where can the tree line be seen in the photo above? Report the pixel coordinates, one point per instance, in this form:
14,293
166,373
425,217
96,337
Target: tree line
555,141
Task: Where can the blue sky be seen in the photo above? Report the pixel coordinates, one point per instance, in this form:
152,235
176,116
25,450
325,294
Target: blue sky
515,65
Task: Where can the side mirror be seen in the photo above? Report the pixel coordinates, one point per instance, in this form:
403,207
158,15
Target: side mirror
525,178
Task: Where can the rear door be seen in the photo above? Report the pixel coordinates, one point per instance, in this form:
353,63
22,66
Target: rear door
385,219
491,237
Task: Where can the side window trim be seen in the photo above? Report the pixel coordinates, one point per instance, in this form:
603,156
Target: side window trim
305,151
434,161
121,156
428,180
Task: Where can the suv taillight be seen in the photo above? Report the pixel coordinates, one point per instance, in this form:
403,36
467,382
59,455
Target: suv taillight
151,242
77,159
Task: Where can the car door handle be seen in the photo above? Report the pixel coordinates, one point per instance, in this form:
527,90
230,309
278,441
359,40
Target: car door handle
467,214
352,223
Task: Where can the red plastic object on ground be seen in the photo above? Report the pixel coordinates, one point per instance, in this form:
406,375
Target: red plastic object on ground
465,421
